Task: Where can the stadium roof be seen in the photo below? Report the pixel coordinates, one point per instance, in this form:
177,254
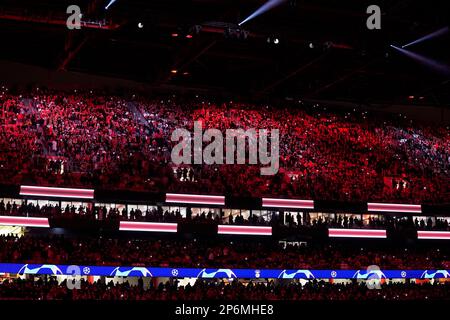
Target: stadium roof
324,50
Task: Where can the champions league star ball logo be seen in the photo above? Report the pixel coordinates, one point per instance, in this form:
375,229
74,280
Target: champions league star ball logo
298,274
369,274
217,273
257,273
133,272
373,276
435,275
42,269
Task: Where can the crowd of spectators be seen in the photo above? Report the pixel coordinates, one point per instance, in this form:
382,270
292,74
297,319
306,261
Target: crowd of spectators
384,222
203,253
153,214
158,214
95,140
49,289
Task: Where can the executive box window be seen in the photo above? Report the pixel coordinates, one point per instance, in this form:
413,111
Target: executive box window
373,220
211,213
231,216
293,217
76,204
174,210
11,201
42,203
264,215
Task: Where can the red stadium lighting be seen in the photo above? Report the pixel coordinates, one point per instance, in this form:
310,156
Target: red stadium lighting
287,203
392,207
356,233
189,36
57,192
148,226
244,230
433,235
24,222
195,199
174,35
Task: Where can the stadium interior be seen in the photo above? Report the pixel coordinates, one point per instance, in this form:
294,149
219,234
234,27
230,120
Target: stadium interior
93,207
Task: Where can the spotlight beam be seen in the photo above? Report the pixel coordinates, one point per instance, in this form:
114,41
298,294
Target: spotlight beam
264,8
111,2
433,64
428,37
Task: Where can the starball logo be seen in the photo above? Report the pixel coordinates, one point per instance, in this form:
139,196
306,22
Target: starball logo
239,145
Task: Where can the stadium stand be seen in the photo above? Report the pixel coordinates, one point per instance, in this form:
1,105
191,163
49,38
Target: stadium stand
216,253
86,139
50,289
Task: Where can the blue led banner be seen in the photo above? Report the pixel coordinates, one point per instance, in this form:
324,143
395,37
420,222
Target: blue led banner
114,271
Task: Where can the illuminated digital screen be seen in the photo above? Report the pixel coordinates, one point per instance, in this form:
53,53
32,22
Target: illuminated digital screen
356,233
195,199
244,230
24,221
433,235
392,207
57,192
147,226
208,273
287,203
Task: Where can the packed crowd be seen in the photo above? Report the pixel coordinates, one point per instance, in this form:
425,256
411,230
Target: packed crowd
89,139
158,214
95,212
49,289
202,253
388,222
373,222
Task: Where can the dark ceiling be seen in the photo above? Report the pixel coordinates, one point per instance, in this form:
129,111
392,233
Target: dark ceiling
359,66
